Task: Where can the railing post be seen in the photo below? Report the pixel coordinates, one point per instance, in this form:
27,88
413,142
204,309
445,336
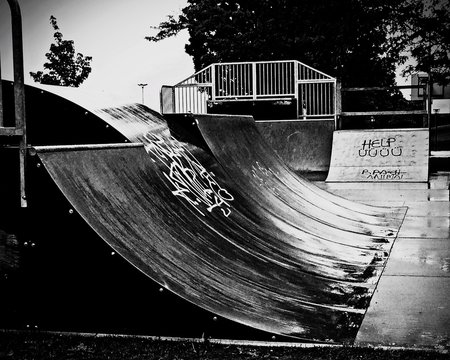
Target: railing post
254,75
1,94
337,103
19,92
213,82
296,87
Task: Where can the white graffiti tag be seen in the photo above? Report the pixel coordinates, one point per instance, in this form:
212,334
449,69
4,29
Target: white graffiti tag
383,174
191,180
262,176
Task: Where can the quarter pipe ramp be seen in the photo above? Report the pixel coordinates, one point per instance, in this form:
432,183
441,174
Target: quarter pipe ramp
221,222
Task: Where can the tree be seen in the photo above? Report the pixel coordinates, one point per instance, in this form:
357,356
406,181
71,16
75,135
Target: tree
357,41
421,30
343,38
64,67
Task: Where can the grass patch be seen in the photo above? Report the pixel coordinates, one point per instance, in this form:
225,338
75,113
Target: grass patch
37,346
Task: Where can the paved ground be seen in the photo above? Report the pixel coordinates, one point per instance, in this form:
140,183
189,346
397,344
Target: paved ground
411,305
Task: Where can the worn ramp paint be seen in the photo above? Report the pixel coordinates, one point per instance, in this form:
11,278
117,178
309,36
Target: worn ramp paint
394,155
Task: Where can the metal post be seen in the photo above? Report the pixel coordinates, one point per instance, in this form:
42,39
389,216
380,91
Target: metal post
142,87
213,82
254,75
296,84
337,104
19,92
1,94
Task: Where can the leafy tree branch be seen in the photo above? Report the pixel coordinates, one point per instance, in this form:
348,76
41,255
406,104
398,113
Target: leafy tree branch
64,67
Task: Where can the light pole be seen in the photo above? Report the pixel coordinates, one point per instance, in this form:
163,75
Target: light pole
142,87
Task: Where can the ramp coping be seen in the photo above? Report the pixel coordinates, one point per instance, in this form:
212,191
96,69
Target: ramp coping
41,149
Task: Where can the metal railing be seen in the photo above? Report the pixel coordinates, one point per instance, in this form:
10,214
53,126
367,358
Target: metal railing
425,111
17,131
313,90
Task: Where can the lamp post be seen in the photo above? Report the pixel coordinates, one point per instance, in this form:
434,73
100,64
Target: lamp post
142,87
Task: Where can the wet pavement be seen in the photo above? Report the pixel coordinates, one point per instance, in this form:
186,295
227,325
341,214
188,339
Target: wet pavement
411,304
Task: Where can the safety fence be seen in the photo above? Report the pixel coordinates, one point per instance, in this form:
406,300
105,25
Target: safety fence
312,90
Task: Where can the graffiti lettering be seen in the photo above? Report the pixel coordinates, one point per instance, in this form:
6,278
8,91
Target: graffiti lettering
191,181
377,143
380,147
377,174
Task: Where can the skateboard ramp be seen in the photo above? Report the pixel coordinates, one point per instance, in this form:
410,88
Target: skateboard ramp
394,155
221,240
223,223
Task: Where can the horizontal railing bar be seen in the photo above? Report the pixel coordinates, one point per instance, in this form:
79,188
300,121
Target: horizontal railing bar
193,85
11,131
250,99
373,113
254,62
316,81
316,115
382,88
440,154
257,95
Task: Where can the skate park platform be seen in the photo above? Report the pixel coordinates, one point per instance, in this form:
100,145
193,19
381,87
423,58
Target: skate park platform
247,235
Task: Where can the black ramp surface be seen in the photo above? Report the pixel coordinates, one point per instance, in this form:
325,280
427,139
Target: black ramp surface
245,157
245,151
140,124
138,215
300,230
217,238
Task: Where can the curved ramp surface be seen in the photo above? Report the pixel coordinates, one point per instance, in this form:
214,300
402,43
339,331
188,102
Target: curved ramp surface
179,215
216,268
245,154
304,145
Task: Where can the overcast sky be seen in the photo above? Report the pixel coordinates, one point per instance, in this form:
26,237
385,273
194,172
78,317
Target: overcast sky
112,32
